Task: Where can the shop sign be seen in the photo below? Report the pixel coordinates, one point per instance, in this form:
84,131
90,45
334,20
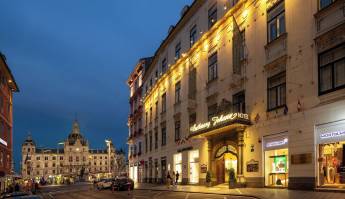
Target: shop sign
253,166
203,168
226,149
218,120
332,134
304,158
3,142
277,143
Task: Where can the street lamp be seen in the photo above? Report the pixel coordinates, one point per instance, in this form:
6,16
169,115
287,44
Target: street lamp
108,142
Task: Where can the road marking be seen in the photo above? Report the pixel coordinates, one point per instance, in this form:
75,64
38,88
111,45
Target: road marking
187,196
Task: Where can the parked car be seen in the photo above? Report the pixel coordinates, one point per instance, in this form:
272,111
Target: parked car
123,183
104,183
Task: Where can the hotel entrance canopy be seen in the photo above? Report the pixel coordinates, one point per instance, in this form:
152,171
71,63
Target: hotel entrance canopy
219,124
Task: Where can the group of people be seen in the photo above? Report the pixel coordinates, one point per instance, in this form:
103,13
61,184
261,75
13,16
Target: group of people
172,179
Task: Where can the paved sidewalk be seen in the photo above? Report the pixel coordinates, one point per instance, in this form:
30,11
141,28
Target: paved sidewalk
261,193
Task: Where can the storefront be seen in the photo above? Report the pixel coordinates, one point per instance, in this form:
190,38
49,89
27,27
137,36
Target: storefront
177,165
330,140
276,156
193,157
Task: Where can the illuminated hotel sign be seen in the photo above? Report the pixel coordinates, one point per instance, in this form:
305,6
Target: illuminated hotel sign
220,120
332,134
3,142
277,143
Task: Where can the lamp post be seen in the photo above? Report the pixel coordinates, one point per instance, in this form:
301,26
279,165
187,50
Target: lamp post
108,142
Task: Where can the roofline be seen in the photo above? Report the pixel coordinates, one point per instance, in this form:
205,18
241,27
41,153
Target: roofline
134,71
3,58
190,11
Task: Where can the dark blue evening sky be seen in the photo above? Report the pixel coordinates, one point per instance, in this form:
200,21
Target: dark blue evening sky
73,57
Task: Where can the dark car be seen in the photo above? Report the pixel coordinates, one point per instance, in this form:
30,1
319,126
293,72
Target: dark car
123,184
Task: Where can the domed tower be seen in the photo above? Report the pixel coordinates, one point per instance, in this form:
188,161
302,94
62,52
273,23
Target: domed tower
28,147
75,135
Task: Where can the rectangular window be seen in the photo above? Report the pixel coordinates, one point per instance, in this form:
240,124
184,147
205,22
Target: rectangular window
139,148
164,65
150,114
332,69
146,143
164,101
211,111
192,119
325,3
212,67
276,91
178,92
178,51
156,112
238,50
193,35
212,15
156,139
146,118
164,136
177,130
192,83
150,140
239,102
276,21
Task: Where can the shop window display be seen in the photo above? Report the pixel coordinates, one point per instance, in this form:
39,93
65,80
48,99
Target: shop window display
276,168
332,165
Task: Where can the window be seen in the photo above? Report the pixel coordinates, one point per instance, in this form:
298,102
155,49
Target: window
325,3
276,91
139,148
164,101
61,157
54,158
70,159
38,158
177,130
193,35
212,67
150,114
164,136
156,139
178,51
238,50
192,119
46,158
276,21
54,164
212,15
146,118
212,111
46,164
146,143
156,112
164,65
332,69
239,102
178,92
150,140
77,159
192,83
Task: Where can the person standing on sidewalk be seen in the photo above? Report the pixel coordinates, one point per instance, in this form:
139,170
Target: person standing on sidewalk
168,180
176,177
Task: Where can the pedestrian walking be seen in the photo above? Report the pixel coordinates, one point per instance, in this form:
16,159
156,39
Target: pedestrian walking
176,177
168,180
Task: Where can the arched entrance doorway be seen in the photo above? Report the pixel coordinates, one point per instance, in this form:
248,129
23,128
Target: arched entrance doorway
226,159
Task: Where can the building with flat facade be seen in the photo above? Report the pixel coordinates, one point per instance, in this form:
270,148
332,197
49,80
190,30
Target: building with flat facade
74,161
7,87
247,91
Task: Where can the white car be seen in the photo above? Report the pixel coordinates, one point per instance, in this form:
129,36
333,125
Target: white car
104,183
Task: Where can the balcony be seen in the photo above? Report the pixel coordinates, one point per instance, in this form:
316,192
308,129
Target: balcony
330,26
276,49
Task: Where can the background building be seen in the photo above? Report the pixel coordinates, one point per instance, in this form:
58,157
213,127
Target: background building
7,87
250,86
72,162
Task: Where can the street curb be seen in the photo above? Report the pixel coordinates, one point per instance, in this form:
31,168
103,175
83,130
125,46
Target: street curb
200,192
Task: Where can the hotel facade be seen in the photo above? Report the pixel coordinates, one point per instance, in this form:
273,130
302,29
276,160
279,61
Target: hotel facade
250,87
73,161
7,87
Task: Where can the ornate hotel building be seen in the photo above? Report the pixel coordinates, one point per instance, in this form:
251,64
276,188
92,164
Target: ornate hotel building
7,87
254,87
74,161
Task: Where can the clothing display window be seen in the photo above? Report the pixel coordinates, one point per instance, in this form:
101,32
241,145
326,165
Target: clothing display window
276,168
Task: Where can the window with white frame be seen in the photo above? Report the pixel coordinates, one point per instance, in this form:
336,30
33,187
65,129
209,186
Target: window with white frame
276,21
276,91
